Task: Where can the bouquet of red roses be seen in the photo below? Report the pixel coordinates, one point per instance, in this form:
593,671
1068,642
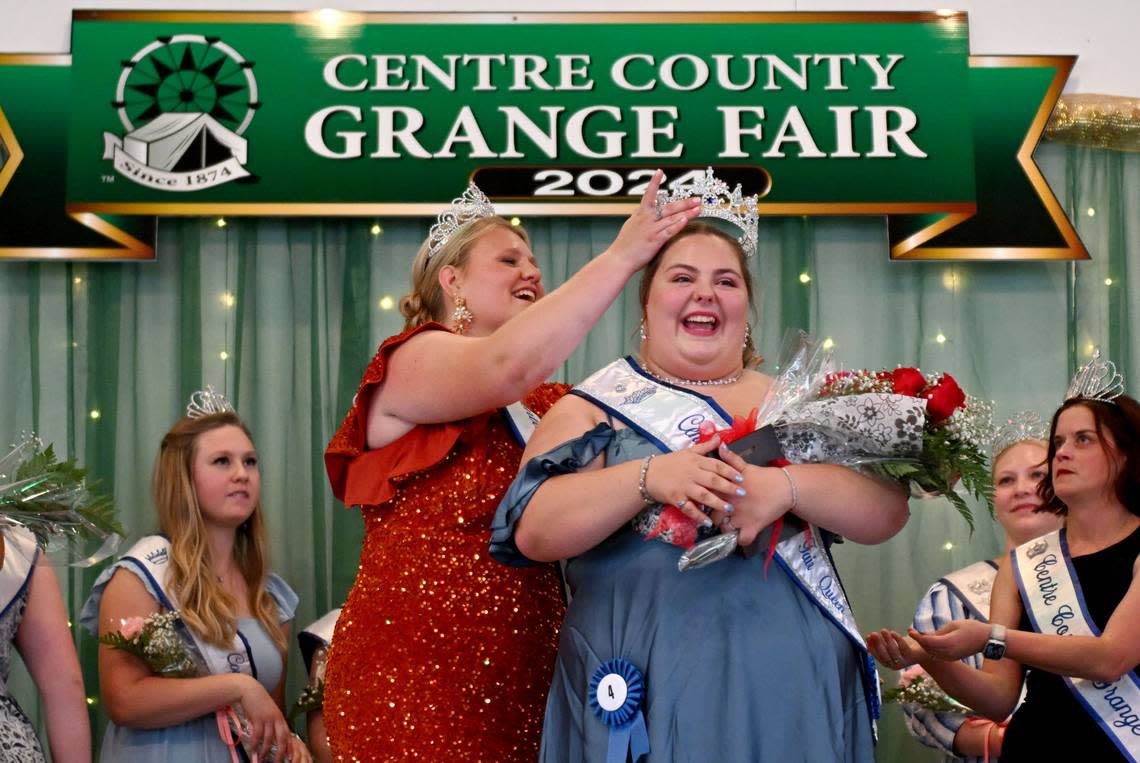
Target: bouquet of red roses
918,429
955,433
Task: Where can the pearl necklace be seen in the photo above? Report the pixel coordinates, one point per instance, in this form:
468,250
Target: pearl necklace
693,382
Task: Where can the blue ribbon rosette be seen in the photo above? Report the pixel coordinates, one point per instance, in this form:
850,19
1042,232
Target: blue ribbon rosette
616,692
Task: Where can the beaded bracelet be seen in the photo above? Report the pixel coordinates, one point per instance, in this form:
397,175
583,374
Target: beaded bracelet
645,496
792,485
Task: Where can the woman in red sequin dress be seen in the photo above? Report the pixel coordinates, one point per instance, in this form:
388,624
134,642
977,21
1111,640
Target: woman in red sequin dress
440,653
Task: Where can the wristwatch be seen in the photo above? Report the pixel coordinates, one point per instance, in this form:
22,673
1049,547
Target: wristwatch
995,647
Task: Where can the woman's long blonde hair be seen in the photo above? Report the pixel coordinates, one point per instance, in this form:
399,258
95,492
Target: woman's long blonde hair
203,603
425,301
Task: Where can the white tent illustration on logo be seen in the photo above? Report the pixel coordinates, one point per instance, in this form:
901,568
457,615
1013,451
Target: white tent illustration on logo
182,142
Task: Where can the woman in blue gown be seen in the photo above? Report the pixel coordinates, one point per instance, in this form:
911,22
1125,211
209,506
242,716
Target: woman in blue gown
209,564
737,664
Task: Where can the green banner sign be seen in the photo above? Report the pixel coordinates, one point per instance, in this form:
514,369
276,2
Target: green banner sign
35,93
331,113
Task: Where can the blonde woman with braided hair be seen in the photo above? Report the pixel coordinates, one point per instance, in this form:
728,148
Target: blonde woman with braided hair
209,563
439,653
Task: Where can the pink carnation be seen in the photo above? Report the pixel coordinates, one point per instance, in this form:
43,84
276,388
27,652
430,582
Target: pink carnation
910,674
132,627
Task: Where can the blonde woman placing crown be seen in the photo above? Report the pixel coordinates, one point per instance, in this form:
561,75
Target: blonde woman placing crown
439,653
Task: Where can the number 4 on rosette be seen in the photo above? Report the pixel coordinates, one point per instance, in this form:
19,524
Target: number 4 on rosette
616,692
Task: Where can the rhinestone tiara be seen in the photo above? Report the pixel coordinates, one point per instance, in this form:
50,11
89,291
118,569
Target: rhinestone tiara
717,201
1020,427
472,205
207,402
1096,380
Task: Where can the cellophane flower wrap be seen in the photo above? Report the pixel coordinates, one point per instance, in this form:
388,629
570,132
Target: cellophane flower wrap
920,430
52,500
156,640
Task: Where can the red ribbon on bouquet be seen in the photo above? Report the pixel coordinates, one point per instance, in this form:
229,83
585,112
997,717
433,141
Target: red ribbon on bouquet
683,529
740,428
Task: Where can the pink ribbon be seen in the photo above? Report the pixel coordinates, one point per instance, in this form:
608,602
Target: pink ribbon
224,716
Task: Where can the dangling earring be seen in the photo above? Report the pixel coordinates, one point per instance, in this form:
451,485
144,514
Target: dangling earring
747,334
461,316
641,331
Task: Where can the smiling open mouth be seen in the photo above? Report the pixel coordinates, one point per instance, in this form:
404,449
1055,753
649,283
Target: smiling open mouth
527,295
700,323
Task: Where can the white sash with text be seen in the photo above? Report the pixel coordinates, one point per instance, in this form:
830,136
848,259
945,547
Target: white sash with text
151,556
1052,596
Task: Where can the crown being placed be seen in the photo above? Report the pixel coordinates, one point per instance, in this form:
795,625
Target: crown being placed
717,201
1096,380
1020,427
207,402
472,205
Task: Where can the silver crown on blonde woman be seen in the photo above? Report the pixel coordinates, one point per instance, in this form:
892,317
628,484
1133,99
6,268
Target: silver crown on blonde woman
1096,380
717,201
1023,426
472,205
207,402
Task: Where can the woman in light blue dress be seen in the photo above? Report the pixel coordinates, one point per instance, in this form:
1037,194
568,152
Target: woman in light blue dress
209,565
737,663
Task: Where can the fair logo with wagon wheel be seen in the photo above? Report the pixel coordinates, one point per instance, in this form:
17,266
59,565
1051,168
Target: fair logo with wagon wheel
184,102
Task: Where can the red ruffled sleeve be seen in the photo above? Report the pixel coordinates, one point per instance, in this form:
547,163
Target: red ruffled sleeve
367,477
364,477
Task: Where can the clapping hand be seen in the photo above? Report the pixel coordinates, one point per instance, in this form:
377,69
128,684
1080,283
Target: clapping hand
894,651
955,640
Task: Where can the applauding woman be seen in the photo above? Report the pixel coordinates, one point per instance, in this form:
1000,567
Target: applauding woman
1067,604
1019,465
208,564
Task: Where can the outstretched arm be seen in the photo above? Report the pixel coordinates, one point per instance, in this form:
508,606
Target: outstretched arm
438,376
994,689
1099,658
44,641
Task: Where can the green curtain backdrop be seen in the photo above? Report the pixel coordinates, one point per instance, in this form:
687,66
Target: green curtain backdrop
284,314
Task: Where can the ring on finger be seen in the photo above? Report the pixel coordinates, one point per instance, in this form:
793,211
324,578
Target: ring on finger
658,206
727,524
681,503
